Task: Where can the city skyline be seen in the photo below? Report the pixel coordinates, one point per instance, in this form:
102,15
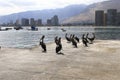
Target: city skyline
13,6
53,21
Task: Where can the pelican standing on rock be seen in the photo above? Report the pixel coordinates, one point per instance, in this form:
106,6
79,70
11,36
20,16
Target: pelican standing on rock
67,38
56,40
84,40
77,39
59,46
91,39
43,45
74,43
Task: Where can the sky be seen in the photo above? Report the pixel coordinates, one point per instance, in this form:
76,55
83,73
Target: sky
15,6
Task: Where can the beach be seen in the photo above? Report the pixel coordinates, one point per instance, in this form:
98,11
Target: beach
98,61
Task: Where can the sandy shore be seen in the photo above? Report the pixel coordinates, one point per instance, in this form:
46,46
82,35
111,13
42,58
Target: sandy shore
99,61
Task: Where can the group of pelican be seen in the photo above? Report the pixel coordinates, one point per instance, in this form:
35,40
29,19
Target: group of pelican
85,39
71,39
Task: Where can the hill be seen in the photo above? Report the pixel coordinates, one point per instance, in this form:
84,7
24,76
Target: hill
88,15
63,13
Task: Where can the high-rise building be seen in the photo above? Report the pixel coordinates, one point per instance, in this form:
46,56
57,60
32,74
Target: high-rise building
111,17
49,23
25,22
55,20
32,22
99,18
17,22
118,19
105,19
39,22
11,23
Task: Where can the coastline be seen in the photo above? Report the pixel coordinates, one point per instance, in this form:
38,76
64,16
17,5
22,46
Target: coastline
99,61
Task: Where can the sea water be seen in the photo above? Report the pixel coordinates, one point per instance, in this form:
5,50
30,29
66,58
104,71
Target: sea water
28,39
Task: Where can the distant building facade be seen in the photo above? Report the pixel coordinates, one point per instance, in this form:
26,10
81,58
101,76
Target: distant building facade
39,22
99,18
111,17
118,19
25,22
17,22
11,23
105,19
49,23
32,21
55,20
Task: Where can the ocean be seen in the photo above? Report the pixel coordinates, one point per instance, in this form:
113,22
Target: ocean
28,39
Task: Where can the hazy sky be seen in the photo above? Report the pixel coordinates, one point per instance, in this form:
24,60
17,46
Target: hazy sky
14,6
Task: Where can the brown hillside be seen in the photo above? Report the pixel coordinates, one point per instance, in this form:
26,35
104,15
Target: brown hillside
89,13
